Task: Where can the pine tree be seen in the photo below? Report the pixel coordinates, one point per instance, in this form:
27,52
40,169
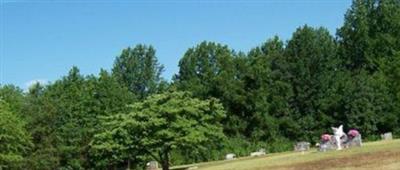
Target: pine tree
139,70
15,141
311,58
210,70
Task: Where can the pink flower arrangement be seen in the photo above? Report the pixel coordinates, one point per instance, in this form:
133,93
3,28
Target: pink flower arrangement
353,133
325,137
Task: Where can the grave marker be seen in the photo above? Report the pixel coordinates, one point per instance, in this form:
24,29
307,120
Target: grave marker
152,165
230,156
387,136
302,146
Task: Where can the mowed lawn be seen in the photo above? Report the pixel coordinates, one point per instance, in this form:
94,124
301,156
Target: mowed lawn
373,155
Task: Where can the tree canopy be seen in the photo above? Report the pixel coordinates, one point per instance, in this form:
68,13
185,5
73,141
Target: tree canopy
157,126
15,141
139,70
220,101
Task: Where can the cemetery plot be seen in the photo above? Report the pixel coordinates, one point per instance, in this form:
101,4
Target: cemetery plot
372,155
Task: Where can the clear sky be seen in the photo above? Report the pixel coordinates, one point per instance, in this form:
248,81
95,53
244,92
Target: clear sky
42,40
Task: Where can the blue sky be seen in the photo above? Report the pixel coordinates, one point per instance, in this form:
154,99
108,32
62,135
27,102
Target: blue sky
42,40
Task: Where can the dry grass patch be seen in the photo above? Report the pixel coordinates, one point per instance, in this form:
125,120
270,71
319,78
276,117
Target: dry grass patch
373,155
373,160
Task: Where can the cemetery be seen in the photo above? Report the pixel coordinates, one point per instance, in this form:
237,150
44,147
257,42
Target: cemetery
331,146
369,156
340,140
208,85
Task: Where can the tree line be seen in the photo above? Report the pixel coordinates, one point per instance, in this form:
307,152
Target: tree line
221,100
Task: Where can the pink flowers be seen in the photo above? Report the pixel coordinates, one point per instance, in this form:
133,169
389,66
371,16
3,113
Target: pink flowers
325,137
353,133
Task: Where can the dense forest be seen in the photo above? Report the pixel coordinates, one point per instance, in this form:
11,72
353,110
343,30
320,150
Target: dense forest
221,101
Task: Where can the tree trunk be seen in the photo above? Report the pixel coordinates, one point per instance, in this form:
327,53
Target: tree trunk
165,161
129,165
165,165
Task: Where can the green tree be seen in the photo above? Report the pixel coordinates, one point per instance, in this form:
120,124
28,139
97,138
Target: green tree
268,91
311,59
209,70
139,70
15,141
392,73
39,114
386,48
354,35
108,96
203,68
370,33
116,145
69,99
159,125
386,34
64,116
369,41
14,96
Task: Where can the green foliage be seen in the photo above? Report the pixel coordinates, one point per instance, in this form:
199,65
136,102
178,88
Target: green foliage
354,35
369,40
311,61
211,70
205,68
114,146
138,69
370,33
39,114
271,97
64,116
159,125
15,141
267,91
13,96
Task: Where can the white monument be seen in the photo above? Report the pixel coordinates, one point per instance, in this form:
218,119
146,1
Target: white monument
338,134
230,156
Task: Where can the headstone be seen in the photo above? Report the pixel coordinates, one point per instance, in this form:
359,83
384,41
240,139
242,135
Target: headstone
230,156
324,146
259,153
302,146
387,136
152,165
327,143
354,139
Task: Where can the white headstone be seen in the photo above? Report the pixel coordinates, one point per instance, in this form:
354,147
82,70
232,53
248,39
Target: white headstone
152,165
230,156
259,153
387,136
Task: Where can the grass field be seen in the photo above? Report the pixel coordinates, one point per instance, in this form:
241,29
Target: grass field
373,155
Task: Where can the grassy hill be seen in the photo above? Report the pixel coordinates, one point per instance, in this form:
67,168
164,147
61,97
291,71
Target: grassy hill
372,155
